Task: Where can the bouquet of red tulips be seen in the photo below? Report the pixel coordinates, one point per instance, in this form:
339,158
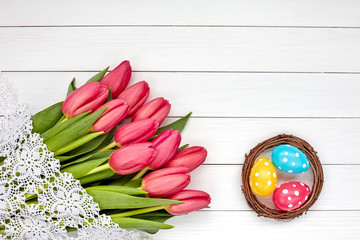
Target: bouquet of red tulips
136,172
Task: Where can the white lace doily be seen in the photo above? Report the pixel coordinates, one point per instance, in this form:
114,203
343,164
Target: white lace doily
31,168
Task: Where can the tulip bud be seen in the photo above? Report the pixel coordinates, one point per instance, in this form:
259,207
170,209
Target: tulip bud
135,132
132,158
88,97
166,145
113,115
118,78
190,158
165,182
157,109
193,200
135,96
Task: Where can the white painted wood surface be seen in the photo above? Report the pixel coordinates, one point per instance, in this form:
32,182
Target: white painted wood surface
247,69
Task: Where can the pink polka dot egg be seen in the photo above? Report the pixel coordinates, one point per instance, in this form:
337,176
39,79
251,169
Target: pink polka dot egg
291,195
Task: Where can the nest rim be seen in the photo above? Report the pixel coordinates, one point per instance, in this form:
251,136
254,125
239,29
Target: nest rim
315,164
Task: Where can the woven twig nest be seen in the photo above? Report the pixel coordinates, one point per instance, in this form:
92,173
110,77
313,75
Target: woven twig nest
315,164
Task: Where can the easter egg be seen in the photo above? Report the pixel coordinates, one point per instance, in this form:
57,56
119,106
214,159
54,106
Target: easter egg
263,177
289,159
291,195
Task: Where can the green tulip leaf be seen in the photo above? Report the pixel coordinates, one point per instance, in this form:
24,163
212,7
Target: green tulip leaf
78,142
71,87
108,173
183,147
155,217
92,156
177,125
97,77
134,183
47,118
116,200
73,132
122,180
90,146
61,127
109,98
133,223
80,169
119,189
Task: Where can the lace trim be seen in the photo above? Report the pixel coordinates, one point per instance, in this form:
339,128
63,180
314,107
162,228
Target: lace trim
30,168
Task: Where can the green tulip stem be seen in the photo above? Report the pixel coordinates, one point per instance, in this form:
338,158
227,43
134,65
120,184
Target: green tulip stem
98,169
110,146
77,143
64,120
139,211
140,173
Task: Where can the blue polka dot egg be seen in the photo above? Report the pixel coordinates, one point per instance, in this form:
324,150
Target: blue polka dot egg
289,159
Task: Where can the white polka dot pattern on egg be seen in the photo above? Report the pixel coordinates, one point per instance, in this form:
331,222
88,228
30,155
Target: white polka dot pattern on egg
297,154
293,164
304,165
256,174
266,164
285,159
274,174
290,205
269,182
289,198
286,153
296,193
294,185
302,184
299,203
256,184
285,191
268,173
306,198
290,171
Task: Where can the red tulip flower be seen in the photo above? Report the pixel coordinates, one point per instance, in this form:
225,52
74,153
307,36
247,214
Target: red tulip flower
118,78
157,109
193,200
132,158
88,97
113,115
134,132
135,96
166,145
190,158
165,182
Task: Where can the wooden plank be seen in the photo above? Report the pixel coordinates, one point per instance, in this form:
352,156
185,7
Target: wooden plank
218,94
245,225
228,12
223,183
181,49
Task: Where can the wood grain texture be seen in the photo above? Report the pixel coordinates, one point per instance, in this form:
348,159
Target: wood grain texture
215,225
218,94
338,13
181,49
223,183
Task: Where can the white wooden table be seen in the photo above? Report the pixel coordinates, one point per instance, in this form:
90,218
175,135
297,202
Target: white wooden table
247,69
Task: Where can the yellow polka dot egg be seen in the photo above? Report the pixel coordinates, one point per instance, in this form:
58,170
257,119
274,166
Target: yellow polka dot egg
263,177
